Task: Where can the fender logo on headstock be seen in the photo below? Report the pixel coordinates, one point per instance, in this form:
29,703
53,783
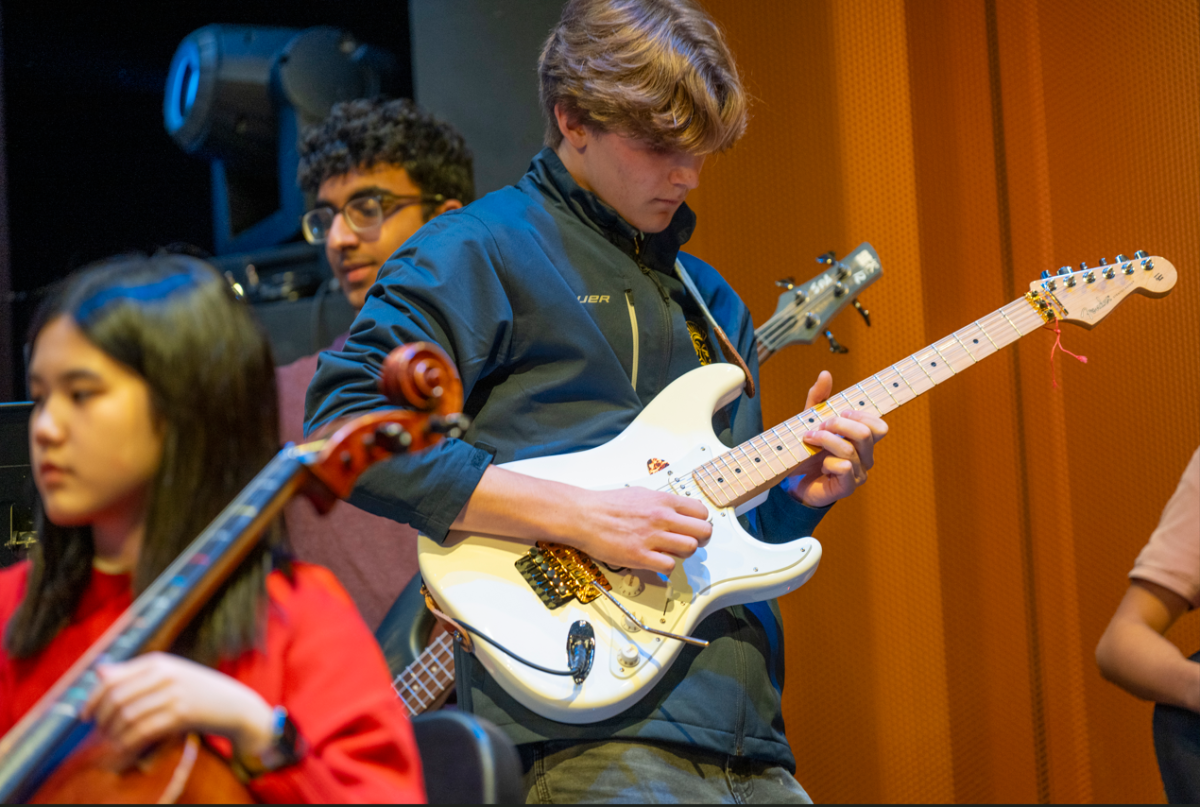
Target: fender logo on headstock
1099,306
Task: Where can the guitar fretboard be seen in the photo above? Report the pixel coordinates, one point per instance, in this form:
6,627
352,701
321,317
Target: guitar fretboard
752,467
421,684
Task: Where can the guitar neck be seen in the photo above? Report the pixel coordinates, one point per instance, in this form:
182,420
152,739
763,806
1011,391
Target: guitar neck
51,728
764,350
756,465
423,684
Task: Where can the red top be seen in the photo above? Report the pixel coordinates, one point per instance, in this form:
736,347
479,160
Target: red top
320,663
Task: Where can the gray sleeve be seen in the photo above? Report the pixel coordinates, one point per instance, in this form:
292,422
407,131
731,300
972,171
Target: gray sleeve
443,286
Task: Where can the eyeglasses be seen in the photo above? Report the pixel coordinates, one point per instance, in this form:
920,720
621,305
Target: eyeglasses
363,213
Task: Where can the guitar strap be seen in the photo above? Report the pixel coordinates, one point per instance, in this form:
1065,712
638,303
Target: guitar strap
727,347
456,630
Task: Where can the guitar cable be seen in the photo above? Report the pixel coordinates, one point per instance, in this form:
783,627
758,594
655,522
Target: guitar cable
510,653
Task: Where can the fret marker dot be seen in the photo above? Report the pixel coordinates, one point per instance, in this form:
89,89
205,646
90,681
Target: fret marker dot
862,403
737,470
933,364
976,341
895,383
756,459
779,448
810,420
720,479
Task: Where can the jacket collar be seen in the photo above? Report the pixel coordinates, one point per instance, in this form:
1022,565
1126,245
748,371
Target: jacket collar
657,250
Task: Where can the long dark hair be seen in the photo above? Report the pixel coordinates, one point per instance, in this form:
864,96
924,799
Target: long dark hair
174,321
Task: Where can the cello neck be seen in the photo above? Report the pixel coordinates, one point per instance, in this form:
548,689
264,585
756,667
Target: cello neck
52,729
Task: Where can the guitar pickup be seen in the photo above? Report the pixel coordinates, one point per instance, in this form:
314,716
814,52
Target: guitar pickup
558,574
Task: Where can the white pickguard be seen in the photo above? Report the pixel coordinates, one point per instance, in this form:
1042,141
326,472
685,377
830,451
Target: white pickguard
474,578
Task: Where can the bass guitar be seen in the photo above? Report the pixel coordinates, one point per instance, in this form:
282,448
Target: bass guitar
35,755
528,603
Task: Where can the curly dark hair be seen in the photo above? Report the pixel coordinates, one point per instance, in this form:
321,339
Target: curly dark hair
368,131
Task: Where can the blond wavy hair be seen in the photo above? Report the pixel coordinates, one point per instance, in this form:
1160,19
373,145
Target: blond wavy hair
657,70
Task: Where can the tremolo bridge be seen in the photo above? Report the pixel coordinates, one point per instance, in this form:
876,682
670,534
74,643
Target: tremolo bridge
557,573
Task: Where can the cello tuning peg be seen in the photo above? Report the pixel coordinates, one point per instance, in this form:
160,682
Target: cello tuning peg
828,258
866,315
834,345
788,283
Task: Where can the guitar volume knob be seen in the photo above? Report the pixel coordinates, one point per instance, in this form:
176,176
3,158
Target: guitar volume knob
628,656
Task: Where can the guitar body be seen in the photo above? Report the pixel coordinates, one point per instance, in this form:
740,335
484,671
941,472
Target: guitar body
475,579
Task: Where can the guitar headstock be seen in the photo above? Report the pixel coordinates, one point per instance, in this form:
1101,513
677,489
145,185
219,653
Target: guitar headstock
1085,296
804,310
419,376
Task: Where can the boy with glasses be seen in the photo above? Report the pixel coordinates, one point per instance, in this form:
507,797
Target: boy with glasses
561,303
377,170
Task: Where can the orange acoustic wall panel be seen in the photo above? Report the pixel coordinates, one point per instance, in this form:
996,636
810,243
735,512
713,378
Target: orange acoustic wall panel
944,651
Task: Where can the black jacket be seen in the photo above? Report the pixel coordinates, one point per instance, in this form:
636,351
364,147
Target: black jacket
534,291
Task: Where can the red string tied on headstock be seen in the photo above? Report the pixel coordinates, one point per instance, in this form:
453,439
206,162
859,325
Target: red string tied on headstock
1058,345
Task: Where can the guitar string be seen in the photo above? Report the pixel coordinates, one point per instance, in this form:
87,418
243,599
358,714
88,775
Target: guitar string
770,331
1024,313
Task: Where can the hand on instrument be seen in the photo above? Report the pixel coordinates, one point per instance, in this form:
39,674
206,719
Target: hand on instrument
848,442
640,528
158,695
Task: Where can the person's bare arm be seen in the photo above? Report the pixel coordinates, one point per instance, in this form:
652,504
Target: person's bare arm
1134,654
634,527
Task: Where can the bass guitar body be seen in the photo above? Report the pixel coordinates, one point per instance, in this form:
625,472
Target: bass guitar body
505,591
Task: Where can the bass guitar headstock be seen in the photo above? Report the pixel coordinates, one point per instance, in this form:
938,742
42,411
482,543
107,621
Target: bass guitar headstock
1085,296
804,310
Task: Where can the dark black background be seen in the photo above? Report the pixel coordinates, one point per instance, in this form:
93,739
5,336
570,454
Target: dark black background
91,169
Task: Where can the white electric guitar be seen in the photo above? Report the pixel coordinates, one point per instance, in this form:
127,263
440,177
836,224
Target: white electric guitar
618,631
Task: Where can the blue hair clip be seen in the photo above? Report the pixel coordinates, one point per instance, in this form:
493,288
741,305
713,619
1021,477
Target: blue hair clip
149,292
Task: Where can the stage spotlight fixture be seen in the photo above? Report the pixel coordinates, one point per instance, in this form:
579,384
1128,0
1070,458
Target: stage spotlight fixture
239,95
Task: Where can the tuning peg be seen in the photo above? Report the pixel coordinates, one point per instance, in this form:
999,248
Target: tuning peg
834,345
1141,253
1109,271
828,258
1045,274
843,272
1104,261
788,283
865,313
1121,258
1064,270
838,290
1083,266
810,320
801,297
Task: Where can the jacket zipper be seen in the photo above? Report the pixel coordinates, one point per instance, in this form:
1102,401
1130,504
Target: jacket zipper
636,341
666,305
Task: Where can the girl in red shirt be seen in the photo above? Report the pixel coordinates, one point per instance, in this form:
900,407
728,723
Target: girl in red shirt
154,404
